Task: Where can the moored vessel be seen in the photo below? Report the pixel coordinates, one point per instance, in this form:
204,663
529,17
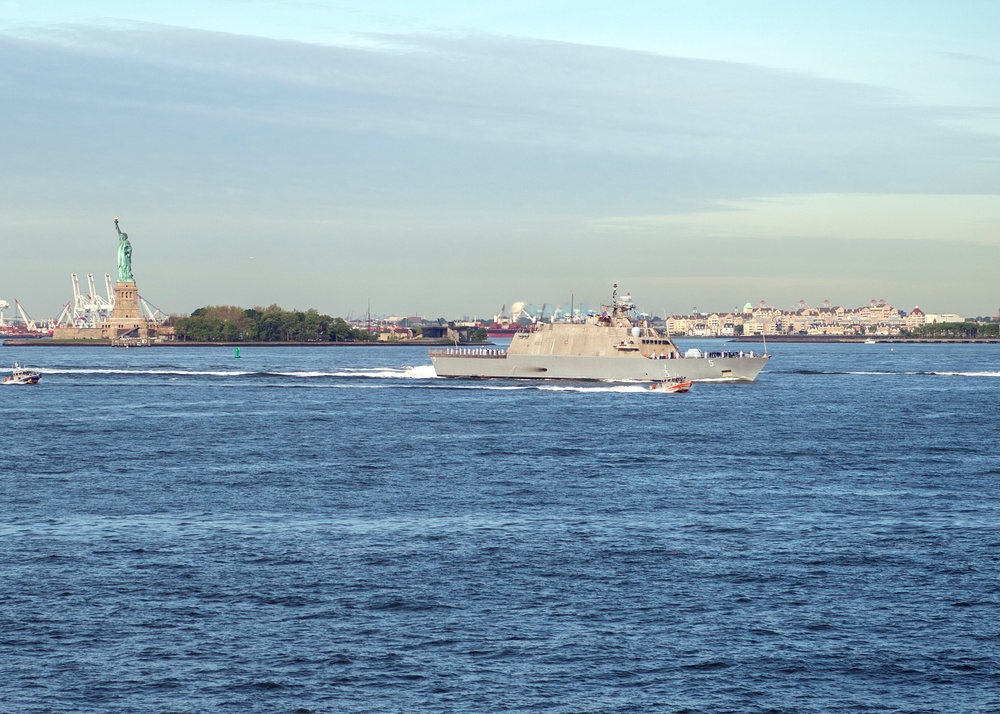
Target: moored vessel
498,331
615,345
504,326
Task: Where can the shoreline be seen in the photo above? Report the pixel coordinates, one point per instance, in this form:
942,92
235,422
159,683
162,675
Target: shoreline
856,339
46,342
752,339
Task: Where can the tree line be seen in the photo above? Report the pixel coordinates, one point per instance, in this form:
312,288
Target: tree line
960,330
228,323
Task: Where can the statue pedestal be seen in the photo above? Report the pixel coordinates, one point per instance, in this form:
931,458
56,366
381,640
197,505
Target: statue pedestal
126,316
126,302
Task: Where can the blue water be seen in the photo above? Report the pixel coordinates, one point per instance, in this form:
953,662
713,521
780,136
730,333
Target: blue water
326,530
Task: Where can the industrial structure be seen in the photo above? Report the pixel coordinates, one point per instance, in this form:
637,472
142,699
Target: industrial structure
21,325
91,310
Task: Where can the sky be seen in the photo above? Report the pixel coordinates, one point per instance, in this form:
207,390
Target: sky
447,158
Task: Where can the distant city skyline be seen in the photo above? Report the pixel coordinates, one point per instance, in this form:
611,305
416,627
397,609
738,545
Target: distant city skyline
461,156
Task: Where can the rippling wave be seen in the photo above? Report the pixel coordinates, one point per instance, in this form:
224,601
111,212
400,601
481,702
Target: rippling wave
307,530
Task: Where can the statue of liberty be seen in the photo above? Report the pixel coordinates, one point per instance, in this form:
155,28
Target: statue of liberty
124,257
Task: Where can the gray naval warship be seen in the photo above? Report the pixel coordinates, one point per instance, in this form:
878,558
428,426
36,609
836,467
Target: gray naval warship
613,346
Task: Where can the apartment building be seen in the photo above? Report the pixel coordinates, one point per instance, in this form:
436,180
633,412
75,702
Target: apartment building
878,318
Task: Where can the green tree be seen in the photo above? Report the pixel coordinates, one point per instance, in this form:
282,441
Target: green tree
226,323
339,330
954,330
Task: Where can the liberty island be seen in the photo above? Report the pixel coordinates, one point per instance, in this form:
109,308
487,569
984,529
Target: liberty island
126,325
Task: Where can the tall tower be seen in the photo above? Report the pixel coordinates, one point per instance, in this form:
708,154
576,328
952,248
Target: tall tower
126,317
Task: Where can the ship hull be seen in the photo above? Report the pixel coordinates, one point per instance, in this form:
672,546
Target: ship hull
467,364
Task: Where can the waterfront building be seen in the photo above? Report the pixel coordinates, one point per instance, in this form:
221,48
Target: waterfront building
878,318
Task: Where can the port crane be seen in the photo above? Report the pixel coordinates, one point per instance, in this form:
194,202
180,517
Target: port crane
28,322
152,312
88,309
91,309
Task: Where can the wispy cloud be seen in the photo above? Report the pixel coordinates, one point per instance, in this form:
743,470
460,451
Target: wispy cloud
972,59
724,123
973,219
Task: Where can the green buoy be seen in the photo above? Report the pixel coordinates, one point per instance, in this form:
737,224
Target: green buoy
237,353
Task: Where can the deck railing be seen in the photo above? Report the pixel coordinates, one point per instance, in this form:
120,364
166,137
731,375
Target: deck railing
480,352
